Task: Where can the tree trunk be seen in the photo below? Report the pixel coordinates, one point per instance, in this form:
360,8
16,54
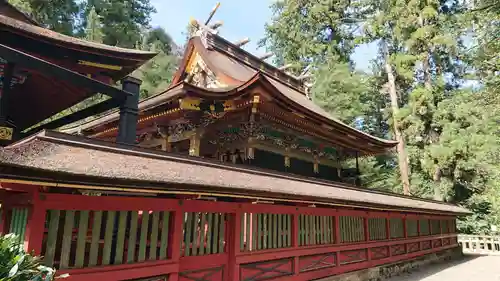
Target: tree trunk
402,157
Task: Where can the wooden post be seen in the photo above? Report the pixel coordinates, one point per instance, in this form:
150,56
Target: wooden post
128,111
194,145
6,129
2,219
295,242
175,238
35,225
234,245
405,230
388,227
337,229
388,230
367,235
166,145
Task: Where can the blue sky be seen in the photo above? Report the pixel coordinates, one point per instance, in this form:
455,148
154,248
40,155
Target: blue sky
241,19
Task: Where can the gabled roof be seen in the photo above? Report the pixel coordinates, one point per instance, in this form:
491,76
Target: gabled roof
67,159
239,71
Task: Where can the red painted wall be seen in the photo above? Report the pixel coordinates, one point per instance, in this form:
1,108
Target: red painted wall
286,263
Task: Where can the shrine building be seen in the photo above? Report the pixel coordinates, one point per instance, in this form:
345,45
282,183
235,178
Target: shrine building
231,173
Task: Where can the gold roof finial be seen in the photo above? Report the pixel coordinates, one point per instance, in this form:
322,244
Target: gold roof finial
193,22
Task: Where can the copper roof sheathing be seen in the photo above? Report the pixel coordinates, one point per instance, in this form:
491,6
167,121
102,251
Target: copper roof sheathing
62,153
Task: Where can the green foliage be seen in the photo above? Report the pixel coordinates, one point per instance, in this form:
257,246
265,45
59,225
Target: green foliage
450,131
22,5
17,265
58,15
122,20
312,31
93,31
160,39
341,91
157,73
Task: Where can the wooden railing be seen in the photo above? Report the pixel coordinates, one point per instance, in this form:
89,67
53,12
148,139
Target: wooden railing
131,238
479,244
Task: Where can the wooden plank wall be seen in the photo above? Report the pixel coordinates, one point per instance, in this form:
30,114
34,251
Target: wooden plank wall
132,238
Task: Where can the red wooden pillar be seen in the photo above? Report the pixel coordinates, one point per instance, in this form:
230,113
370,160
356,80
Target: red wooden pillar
175,238
388,232
3,219
337,237
234,245
35,225
405,232
441,228
367,235
295,242
404,227
418,232
388,227
430,232
337,229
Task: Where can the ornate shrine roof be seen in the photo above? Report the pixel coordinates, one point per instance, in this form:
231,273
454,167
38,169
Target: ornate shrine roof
235,71
66,159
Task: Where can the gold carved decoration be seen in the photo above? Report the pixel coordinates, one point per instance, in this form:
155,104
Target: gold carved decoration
190,103
181,136
6,133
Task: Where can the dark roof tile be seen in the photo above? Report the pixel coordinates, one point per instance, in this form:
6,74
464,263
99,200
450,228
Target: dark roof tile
56,152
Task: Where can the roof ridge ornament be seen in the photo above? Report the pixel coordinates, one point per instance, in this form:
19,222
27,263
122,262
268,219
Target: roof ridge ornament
202,30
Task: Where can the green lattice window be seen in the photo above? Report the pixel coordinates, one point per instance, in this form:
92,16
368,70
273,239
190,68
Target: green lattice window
412,227
204,233
18,220
453,226
377,228
396,227
78,239
424,227
351,229
316,230
445,226
435,227
265,231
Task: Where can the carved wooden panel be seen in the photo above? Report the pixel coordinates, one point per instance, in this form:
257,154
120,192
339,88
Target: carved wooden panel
426,245
266,270
211,274
314,262
413,247
446,241
379,253
436,243
352,256
397,250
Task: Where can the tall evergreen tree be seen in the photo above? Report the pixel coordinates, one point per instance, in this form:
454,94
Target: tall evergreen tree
93,31
123,20
323,35
22,5
157,73
312,31
58,15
